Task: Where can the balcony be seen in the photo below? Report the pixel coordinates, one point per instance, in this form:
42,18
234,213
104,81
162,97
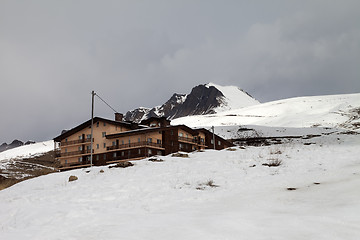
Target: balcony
135,145
188,140
74,142
73,153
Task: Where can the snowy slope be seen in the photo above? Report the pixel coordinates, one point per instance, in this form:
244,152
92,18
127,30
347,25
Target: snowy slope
234,98
210,195
27,150
341,111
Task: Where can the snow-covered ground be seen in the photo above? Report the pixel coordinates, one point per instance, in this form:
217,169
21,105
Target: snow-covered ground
26,151
302,112
210,195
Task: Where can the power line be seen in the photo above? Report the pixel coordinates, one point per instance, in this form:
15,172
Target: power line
106,103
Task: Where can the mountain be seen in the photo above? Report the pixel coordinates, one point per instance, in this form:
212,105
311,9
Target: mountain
203,99
339,111
13,144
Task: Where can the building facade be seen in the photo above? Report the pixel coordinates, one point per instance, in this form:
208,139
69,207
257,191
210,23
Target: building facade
115,141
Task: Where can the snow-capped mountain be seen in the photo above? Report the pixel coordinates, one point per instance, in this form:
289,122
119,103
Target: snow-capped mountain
341,111
203,99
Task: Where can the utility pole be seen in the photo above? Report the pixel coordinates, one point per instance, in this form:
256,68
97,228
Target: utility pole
92,126
213,130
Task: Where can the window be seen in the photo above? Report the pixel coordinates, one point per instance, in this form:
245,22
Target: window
97,157
122,142
129,141
122,153
181,134
159,153
88,136
149,140
139,151
104,145
158,141
80,148
138,139
181,145
80,137
212,141
97,146
104,124
66,161
65,139
104,156
88,148
219,143
149,151
65,150
113,143
103,134
80,159
114,154
97,124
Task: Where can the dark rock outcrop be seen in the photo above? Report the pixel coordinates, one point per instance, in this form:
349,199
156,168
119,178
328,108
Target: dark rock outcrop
201,100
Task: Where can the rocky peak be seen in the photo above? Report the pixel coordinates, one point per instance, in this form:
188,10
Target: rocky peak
203,99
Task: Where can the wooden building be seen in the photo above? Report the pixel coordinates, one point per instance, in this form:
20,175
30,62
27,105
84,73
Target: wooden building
115,141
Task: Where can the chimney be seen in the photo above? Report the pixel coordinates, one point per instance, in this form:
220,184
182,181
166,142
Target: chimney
119,117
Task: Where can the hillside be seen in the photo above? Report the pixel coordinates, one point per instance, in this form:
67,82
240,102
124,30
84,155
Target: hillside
334,111
230,194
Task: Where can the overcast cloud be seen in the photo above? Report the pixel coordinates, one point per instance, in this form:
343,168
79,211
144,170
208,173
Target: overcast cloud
138,53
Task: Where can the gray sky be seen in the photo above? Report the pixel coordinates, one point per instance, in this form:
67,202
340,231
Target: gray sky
138,53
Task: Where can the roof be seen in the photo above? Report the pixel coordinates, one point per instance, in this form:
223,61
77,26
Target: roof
88,123
151,129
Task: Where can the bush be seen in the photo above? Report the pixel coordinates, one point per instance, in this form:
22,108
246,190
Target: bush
209,183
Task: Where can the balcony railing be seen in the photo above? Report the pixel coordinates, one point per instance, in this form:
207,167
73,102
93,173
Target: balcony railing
87,140
134,145
185,139
79,152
